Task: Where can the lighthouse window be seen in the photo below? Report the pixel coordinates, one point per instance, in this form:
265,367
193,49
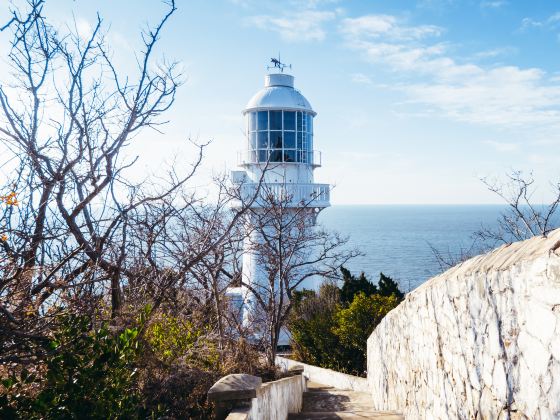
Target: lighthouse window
252,121
282,136
263,155
262,139
275,139
275,120
276,156
289,140
253,138
262,120
289,156
289,120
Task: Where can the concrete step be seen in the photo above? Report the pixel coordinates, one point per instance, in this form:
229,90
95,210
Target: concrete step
335,400
322,402
377,415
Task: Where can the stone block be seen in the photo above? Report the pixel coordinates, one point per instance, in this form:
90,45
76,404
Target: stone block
237,386
296,370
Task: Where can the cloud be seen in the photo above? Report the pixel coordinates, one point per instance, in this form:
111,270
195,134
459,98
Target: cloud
312,4
550,22
493,4
83,28
506,96
361,78
242,3
387,27
436,4
503,146
495,52
305,25
527,23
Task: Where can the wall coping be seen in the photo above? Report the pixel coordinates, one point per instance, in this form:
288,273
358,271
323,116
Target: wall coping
338,380
237,386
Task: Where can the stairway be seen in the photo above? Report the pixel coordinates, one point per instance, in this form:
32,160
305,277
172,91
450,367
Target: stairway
326,403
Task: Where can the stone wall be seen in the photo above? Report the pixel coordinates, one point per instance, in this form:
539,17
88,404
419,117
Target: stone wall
481,340
325,376
274,400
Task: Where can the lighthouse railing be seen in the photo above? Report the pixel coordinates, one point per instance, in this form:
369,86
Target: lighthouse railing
248,157
291,194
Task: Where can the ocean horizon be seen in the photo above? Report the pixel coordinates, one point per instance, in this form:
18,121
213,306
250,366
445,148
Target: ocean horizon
397,239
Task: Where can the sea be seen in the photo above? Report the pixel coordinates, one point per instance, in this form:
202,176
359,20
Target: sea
397,240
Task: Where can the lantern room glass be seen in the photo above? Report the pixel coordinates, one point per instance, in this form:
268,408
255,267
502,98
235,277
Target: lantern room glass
280,136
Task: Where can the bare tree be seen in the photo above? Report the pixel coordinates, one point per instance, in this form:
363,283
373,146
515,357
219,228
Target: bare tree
522,219
66,117
449,258
289,249
83,237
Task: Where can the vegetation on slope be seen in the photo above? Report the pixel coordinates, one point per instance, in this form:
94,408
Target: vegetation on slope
330,327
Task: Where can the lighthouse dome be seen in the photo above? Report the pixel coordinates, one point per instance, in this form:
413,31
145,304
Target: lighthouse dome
279,93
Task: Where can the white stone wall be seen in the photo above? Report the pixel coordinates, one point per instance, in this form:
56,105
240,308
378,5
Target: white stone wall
481,340
324,376
274,400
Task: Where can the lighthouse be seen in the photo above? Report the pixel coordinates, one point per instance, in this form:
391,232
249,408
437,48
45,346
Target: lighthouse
277,161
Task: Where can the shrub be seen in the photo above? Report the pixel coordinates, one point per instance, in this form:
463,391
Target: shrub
311,325
330,328
179,393
88,373
171,338
389,287
354,324
351,286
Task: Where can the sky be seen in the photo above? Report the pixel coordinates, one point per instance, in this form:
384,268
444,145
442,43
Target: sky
415,100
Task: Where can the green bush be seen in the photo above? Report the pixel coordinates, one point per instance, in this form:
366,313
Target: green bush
88,373
171,338
311,325
354,324
330,327
352,285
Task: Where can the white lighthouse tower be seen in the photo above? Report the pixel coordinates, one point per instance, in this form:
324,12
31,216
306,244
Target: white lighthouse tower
278,152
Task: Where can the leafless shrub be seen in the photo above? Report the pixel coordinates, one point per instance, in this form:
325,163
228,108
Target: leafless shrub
522,219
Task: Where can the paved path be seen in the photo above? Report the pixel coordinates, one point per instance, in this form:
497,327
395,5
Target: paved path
326,403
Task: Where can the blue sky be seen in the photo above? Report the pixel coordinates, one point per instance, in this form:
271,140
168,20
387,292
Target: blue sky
416,100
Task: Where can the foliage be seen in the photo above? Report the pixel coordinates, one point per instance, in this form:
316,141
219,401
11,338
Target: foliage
9,199
89,373
354,324
351,286
389,287
164,369
170,337
76,232
311,326
330,331
179,393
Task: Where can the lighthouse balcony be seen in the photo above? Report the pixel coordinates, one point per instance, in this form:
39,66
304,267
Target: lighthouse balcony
286,194
273,157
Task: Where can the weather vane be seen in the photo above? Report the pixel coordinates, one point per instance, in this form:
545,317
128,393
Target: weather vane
277,64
